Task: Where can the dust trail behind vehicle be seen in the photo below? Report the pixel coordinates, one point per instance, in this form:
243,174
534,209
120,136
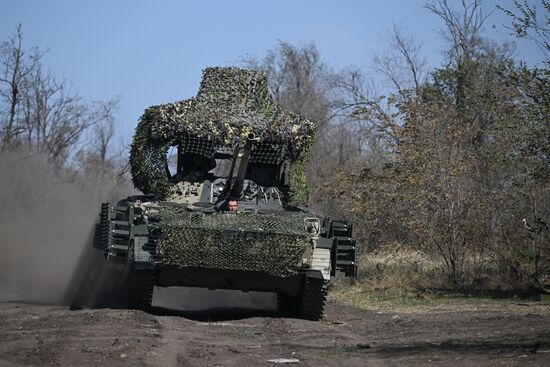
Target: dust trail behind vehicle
46,224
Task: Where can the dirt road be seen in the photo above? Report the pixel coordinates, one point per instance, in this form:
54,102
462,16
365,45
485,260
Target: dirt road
502,335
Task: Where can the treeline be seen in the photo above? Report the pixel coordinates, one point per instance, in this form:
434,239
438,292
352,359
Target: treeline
453,162
58,162
41,115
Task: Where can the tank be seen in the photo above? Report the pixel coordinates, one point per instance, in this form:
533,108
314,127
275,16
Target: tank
225,184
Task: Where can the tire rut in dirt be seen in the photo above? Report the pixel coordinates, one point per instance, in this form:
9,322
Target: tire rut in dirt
314,297
140,289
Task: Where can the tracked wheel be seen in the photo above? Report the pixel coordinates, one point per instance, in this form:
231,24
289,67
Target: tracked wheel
140,289
313,300
104,231
97,236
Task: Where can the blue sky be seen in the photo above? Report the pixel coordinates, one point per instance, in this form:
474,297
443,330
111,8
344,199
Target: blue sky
150,52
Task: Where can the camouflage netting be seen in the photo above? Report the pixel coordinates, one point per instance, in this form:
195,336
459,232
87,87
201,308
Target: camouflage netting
272,243
230,104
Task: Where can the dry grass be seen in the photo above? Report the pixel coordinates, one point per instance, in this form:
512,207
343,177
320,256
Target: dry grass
397,267
400,268
403,280
363,296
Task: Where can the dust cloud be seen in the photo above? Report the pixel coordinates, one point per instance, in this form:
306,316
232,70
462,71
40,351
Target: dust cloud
46,229
46,242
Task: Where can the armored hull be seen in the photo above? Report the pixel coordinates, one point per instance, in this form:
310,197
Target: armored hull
170,244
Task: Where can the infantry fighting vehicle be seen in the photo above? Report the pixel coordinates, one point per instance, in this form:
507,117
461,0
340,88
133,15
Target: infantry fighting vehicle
228,213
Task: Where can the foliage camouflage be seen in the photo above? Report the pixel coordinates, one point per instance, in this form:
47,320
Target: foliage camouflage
229,241
231,103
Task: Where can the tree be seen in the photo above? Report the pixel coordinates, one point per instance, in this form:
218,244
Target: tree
369,190
298,79
40,112
16,67
526,23
301,82
465,155
462,154
401,64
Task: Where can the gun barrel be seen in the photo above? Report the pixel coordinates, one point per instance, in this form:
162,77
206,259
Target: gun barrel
237,188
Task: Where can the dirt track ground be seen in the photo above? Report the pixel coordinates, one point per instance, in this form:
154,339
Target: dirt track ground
496,335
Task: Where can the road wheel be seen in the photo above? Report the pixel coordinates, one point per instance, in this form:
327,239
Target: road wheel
140,289
313,300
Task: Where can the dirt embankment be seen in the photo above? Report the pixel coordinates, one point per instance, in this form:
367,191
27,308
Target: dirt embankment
504,334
